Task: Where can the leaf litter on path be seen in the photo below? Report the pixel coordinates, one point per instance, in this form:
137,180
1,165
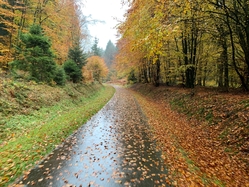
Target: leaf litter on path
115,148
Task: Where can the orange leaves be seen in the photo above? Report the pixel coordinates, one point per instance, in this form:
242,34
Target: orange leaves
193,152
62,25
59,19
95,69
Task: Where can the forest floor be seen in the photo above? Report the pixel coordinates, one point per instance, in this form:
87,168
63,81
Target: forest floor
204,133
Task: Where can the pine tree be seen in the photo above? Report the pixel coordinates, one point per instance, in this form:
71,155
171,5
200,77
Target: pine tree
96,51
109,54
73,72
60,76
35,55
77,55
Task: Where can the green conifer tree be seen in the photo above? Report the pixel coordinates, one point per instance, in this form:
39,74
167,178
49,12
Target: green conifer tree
109,54
35,55
73,72
96,51
77,55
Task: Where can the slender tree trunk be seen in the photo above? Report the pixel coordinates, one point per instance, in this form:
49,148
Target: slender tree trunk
179,64
185,58
190,69
157,72
243,82
145,70
205,75
226,71
220,71
199,66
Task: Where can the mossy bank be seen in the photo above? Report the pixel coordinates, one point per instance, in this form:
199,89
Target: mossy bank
35,118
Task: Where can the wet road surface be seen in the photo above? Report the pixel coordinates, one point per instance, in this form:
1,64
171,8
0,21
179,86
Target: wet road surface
111,149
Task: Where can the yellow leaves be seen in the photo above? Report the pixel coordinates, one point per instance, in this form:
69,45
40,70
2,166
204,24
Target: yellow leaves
60,27
6,12
95,69
4,179
60,20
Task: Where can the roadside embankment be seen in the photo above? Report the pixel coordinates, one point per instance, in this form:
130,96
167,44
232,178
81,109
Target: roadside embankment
203,133
35,118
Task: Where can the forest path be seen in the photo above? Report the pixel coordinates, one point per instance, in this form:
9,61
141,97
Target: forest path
114,148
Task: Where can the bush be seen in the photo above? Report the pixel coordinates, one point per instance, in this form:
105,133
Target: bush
60,76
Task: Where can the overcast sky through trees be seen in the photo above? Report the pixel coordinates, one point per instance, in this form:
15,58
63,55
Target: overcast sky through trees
106,11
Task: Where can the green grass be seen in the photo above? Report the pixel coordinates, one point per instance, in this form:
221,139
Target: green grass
30,138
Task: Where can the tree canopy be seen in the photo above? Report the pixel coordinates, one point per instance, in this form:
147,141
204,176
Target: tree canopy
62,22
186,42
95,69
77,55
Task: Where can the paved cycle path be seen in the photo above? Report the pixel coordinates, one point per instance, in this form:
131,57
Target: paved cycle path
112,149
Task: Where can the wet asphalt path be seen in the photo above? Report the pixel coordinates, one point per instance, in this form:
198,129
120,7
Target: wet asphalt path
111,149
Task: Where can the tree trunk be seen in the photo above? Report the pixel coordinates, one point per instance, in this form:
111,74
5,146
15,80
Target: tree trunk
243,82
226,72
157,72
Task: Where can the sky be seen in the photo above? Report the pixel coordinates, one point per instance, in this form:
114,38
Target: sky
105,11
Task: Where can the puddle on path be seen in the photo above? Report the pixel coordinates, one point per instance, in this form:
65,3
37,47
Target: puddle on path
112,149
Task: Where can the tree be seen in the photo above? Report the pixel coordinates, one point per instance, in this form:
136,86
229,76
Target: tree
73,72
76,54
109,54
142,37
97,67
233,16
7,28
35,55
62,22
132,78
96,51
60,76
165,41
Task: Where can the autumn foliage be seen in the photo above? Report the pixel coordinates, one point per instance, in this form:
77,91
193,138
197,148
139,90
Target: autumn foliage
60,20
95,69
186,42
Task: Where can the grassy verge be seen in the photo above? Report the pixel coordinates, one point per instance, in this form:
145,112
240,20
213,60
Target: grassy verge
37,134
